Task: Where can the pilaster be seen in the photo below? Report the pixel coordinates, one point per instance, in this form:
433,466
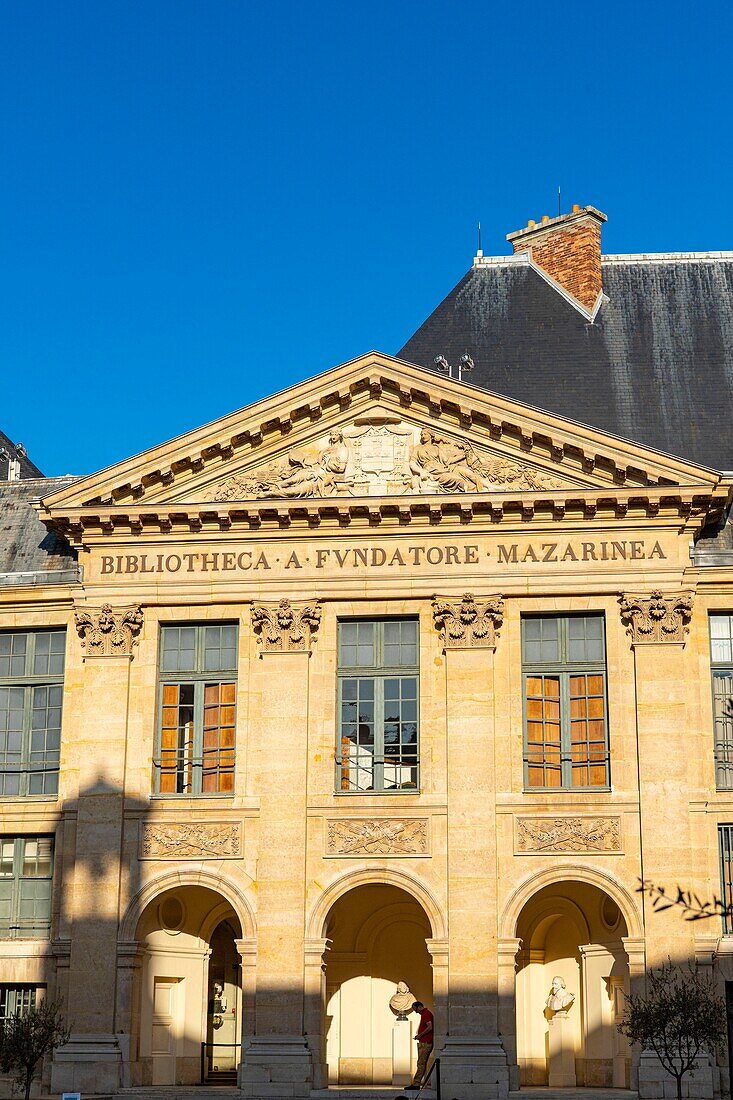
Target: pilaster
473,1060
277,1058
658,625
100,678
315,951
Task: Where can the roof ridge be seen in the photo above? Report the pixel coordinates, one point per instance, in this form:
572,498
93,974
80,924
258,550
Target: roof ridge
612,258
663,257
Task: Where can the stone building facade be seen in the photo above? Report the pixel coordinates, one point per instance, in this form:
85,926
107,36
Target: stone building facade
386,678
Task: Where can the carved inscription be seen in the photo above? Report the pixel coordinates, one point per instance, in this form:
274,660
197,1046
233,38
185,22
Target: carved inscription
568,834
284,628
404,836
352,555
468,623
656,618
107,631
191,840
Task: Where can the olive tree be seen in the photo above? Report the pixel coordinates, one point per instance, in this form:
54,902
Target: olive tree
679,1017
27,1037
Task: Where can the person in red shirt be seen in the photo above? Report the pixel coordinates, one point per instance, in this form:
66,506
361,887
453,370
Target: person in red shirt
424,1039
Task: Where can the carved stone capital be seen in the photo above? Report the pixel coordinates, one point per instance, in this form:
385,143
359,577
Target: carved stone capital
284,627
656,618
468,623
109,631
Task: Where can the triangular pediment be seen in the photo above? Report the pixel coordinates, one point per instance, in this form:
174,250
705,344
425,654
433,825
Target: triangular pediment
376,427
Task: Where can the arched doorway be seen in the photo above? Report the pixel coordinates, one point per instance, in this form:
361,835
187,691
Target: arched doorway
377,934
572,930
190,1000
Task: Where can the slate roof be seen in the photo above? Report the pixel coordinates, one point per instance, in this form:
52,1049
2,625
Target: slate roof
27,468
656,366
29,554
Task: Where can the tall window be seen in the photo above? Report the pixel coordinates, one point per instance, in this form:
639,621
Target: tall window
721,658
198,687
725,848
566,730
26,869
378,678
31,688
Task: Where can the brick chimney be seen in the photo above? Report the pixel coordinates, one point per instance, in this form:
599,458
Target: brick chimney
568,250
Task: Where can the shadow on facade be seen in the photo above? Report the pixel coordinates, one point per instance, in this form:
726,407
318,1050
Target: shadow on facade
148,971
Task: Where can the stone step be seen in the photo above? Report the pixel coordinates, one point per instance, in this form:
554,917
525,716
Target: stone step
371,1092
580,1093
182,1092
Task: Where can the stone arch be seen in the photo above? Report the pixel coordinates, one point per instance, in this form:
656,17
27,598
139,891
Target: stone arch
533,883
559,907
376,876
377,922
195,876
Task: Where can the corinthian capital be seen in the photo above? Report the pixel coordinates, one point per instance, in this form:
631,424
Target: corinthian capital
468,623
656,618
109,631
285,628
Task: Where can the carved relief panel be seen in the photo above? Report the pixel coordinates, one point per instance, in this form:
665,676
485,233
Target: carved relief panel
399,836
191,840
381,455
545,835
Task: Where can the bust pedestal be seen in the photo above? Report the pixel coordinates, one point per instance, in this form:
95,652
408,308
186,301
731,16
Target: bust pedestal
561,1053
401,1052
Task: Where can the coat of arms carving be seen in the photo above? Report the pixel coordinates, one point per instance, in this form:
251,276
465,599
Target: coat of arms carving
381,455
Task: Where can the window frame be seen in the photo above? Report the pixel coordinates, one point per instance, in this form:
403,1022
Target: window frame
9,989
199,677
16,926
723,748
725,844
29,682
378,672
563,669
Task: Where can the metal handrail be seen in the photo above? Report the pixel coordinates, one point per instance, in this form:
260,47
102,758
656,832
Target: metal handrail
435,1066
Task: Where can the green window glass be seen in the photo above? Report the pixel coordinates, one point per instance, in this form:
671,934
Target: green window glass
565,721
197,709
378,682
31,692
721,661
26,871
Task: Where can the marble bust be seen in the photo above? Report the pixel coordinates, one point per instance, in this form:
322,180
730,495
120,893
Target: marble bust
220,1001
559,1000
402,1000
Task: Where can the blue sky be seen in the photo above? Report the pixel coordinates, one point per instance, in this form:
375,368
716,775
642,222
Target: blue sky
205,202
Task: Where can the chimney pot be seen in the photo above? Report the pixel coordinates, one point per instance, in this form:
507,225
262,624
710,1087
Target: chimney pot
576,207
545,218
531,224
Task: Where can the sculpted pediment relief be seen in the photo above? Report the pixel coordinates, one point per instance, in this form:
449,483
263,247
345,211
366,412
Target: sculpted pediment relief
374,427
383,455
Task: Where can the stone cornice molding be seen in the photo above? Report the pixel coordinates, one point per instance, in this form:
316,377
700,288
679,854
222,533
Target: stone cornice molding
684,505
656,618
468,623
108,631
286,627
